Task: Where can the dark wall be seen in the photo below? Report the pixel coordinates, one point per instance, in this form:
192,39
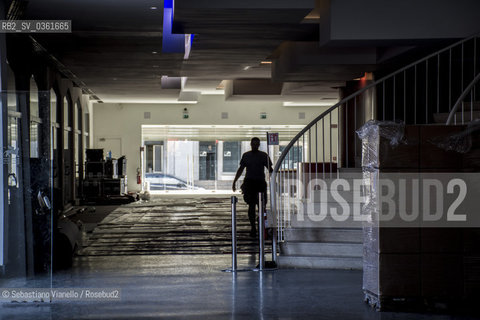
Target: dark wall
29,244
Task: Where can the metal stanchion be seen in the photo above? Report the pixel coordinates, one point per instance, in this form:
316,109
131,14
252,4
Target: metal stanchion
234,233
261,225
262,265
234,201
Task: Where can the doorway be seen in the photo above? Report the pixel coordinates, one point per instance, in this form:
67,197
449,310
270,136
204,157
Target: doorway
207,158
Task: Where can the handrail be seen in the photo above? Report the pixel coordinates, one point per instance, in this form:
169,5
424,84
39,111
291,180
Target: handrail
460,99
357,93
402,86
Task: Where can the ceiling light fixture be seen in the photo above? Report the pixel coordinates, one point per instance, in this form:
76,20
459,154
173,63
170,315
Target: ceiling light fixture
153,8
266,62
246,68
154,52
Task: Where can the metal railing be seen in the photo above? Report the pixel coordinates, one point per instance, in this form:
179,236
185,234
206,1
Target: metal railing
423,92
466,97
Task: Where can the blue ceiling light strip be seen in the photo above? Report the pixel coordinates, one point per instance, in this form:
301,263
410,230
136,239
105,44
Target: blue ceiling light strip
173,43
168,4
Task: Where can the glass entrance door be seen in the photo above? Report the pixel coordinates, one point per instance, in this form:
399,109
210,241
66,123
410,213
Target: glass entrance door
208,162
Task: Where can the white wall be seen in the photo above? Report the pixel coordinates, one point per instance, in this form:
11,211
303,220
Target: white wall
124,121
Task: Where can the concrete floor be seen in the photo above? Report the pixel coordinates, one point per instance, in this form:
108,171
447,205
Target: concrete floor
192,286
169,225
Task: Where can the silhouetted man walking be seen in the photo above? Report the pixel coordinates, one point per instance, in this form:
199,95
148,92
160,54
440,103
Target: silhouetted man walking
255,161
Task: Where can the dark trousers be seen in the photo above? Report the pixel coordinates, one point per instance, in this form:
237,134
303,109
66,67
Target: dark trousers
250,189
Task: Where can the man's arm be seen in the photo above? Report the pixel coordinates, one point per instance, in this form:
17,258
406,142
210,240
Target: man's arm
237,176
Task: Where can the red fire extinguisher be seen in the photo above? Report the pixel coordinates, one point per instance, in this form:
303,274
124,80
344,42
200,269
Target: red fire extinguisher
139,176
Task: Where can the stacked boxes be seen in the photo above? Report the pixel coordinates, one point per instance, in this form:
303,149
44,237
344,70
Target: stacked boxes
122,167
95,169
104,178
111,168
412,261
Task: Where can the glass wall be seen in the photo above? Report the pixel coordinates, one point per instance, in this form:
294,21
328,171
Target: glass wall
205,158
232,153
35,120
154,156
26,221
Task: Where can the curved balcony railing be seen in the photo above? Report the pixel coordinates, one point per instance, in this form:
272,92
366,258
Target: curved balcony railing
423,92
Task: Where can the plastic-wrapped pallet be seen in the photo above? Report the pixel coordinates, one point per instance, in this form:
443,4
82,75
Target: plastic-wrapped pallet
408,265
388,271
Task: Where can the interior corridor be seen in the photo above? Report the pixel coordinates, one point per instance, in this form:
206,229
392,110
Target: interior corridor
166,257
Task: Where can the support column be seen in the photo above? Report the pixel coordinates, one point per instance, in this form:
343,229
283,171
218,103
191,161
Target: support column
23,101
353,115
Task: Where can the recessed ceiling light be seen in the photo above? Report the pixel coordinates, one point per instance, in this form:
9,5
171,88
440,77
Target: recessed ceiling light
154,52
153,8
246,68
266,62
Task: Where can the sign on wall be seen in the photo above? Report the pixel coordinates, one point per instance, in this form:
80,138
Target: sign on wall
272,138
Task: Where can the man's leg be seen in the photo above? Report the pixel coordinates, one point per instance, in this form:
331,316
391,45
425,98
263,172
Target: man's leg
251,217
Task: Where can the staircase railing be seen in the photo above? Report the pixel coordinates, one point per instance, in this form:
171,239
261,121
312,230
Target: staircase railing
420,93
467,96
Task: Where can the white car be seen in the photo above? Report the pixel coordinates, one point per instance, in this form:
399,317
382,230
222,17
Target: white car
161,181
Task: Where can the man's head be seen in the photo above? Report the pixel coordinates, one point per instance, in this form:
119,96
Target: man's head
255,144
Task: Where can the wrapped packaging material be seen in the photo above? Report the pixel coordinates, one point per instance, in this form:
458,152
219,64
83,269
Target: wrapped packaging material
392,275
371,134
442,148
420,261
471,159
370,208
392,131
391,240
450,148
389,145
461,140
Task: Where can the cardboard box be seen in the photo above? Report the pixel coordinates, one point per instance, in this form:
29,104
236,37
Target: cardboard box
378,152
441,240
471,269
433,153
392,275
471,159
471,240
392,240
442,275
